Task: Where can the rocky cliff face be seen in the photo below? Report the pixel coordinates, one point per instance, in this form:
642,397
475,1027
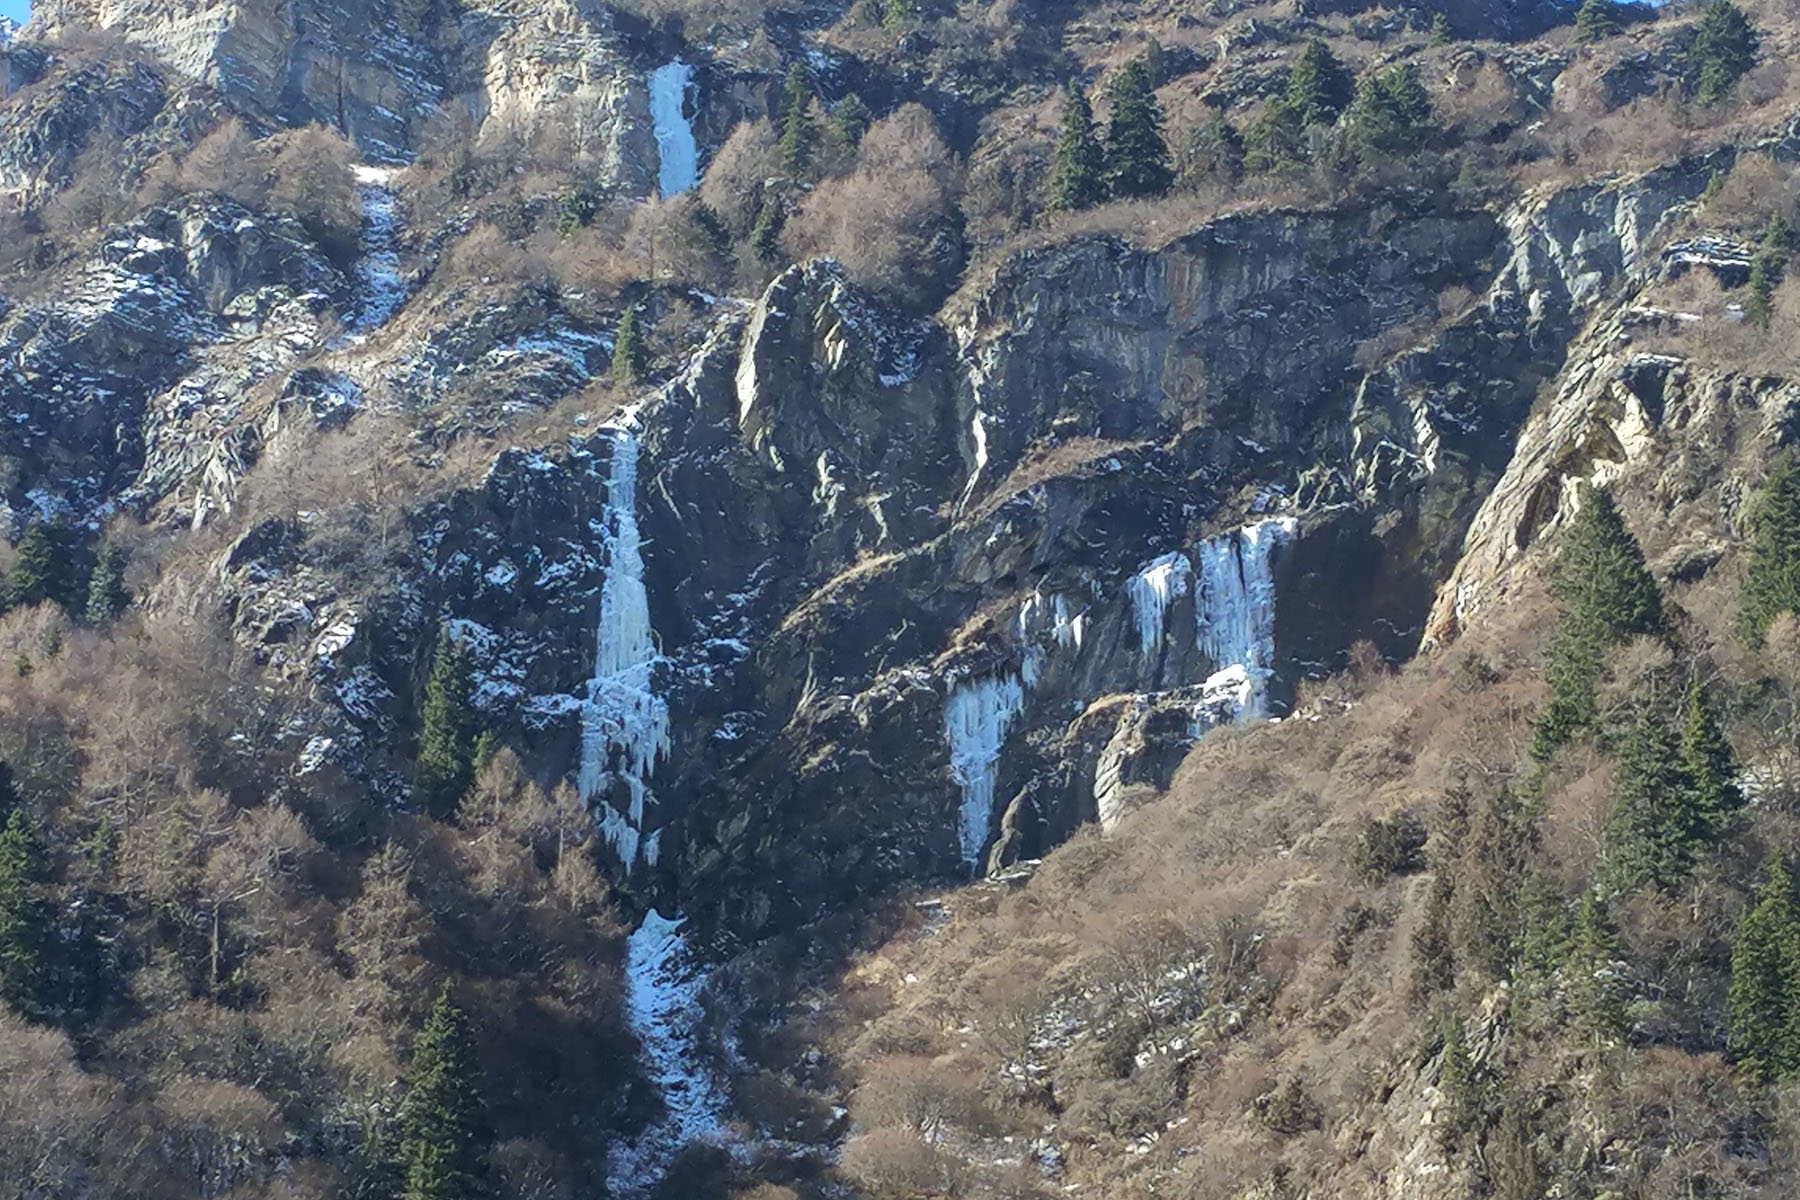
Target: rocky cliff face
989,574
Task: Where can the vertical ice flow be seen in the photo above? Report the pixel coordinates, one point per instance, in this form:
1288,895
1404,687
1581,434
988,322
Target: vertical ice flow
663,986
624,723
1235,606
976,719
1152,590
677,151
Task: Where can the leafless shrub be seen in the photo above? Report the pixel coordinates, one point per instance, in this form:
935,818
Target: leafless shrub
895,1163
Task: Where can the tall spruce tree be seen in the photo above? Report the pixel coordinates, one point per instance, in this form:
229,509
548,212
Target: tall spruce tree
1596,986
1657,826
1276,139
1772,576
798,135
1495,854
39,571
25,931
1596,19
1707,763
765,235
1137,157
1078,178
107,596
11,799
1441,34
850,120
1391,113
444,1116
1607,597
1320,86
1763,1001
1723,50
630,355
447,744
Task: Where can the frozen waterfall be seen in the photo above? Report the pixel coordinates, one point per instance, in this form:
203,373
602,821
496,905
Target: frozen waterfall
1234,610
678,153
624,723
1152,590
663,1005
381,289
976,719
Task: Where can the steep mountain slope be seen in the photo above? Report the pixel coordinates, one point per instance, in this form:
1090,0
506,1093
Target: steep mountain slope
830,577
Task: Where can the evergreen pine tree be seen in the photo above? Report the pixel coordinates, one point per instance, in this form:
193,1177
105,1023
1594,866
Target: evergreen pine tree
11,799
1723,50
446,746
797,132
25,934
1596,19
1760,308
1707,763
1459,1083
1772,577
1215,150
1778,239
1656,826
1077,180
1276,139
443,1118
1137,158
896,13
850,120
1596,992
1607,597
1486,911
1391,113
37,573
765,235
1440,30
1321,86
1765,981
630,355
107,596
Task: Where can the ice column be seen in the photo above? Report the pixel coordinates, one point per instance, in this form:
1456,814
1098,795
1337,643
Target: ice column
976,719
624,723
1235,609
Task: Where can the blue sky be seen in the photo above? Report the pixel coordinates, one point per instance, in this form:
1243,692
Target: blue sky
18,10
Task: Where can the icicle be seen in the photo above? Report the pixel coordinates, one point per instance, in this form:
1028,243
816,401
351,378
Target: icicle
1152,590
625,724
976,719
1235,604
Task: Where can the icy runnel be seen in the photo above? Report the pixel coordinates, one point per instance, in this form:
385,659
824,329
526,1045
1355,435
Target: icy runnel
977,717
381,288
663,988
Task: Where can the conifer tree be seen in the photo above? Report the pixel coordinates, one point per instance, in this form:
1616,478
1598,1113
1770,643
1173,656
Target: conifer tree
1077,180
1596,19
1723,50
25,934
1607,597
1276,139
765,236
850,120
1760,308
1763,1001
37,573
1772,578
11,799
797,133
1321,86
1458,1081
1596,992
1492,875
1440,30
1391,113
447,744
630,355
1707,763
1215,150
107,596
443,1118
1657,827
1778,239
1137,157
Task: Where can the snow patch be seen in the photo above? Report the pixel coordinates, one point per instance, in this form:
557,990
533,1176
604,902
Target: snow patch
677,151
